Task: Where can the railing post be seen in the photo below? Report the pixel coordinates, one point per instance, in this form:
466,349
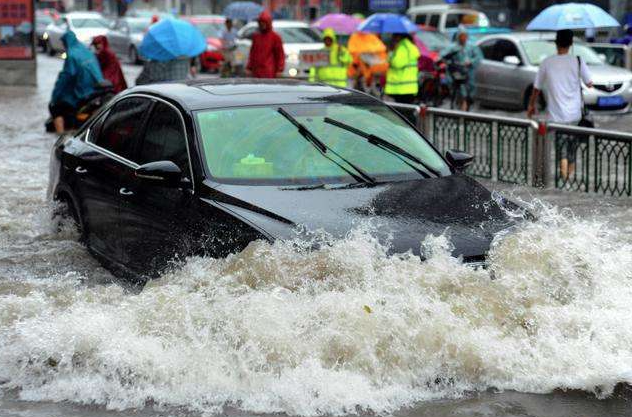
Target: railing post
541,150
423,123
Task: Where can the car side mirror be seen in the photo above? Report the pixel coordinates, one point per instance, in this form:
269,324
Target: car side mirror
511,60
164,173
459,160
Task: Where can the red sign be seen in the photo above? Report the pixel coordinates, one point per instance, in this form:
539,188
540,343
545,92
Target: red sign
16,29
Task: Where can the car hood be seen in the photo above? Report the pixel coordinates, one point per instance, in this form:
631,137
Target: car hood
603,74
401,214
91,32
297,47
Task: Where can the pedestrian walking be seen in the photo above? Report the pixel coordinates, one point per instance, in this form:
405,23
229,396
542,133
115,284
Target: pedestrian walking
229,46
560,76
466,56
77,81
335,72
402,82
109,63
266,59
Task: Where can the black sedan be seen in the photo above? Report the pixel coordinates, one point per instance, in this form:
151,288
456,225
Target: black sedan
171,170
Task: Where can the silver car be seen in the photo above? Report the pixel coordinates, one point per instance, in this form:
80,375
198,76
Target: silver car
86,26
506,75
126,35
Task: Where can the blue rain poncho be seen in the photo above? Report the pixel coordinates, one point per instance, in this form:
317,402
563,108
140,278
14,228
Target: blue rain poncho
81,73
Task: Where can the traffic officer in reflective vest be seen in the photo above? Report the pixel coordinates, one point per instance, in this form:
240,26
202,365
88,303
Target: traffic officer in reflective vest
401,77
339,59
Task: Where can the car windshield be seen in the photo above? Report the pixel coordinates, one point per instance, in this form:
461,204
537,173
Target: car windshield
435,41
258,145
298,35
538,50
43,18
138,25
210,29
89,23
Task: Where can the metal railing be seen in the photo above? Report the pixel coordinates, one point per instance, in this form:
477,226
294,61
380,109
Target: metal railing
521,151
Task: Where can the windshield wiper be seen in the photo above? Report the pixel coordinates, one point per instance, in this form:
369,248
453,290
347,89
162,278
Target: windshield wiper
318,144
386,145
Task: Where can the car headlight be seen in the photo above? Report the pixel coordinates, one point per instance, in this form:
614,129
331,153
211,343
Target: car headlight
293,72
45,36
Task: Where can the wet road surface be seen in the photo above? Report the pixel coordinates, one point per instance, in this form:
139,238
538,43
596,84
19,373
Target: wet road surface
274,331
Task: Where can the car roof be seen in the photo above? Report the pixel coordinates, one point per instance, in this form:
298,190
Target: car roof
523,36
209,93
205,18
83,15
440,8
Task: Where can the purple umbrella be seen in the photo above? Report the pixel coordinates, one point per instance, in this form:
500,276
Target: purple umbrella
340,22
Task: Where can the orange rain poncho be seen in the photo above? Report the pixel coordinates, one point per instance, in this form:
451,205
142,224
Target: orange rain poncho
367,43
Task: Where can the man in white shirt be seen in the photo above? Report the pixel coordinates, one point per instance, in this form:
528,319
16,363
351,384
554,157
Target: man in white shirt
228,36
559,76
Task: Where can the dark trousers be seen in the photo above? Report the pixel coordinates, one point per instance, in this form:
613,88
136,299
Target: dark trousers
404,98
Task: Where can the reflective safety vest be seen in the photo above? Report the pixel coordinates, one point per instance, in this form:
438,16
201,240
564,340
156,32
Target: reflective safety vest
336,72
401,77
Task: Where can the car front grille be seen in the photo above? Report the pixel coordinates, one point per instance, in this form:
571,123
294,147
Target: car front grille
608,88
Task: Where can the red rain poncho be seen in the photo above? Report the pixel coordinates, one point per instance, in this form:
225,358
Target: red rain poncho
110,66
266,53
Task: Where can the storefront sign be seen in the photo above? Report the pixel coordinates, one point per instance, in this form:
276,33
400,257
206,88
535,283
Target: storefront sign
16,29
379,5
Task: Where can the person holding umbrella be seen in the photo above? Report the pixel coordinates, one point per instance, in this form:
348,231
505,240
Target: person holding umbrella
267,58
168,48
402,82
339,59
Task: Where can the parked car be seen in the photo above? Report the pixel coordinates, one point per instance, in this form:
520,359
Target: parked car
297,36
126,35
86,26
43,17
433,39
204,167
211,27
506,75
444,17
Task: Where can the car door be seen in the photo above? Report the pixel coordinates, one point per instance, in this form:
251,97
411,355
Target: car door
113,139
499,79
156,219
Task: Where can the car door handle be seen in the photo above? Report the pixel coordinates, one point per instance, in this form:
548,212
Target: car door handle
81,170
124,191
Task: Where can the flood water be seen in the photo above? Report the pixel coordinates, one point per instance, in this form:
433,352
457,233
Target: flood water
343,330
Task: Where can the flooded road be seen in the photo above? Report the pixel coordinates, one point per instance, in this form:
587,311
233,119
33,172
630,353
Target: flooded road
343,330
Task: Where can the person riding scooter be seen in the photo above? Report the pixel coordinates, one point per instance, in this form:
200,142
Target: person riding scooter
77,82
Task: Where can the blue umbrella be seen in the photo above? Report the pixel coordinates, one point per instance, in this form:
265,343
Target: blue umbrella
243,10
170,39
572,16
387,23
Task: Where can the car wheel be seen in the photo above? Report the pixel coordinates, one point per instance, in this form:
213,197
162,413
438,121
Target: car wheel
132,55
49,48
67,212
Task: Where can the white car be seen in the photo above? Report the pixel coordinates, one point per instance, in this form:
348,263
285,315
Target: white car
297,36
446,17
86,26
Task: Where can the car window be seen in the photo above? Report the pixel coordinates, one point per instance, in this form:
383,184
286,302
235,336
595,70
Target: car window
538,50
164,138
420,19
210,29
505,48
249,32
90,23
434,21
489,49
453,20
258,145
120,128
298,35
138,25
435,41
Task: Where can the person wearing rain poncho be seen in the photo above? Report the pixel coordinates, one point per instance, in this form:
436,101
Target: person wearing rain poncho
402,82
466,55
339,59
77,81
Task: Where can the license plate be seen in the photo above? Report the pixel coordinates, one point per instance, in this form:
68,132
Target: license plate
610,101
